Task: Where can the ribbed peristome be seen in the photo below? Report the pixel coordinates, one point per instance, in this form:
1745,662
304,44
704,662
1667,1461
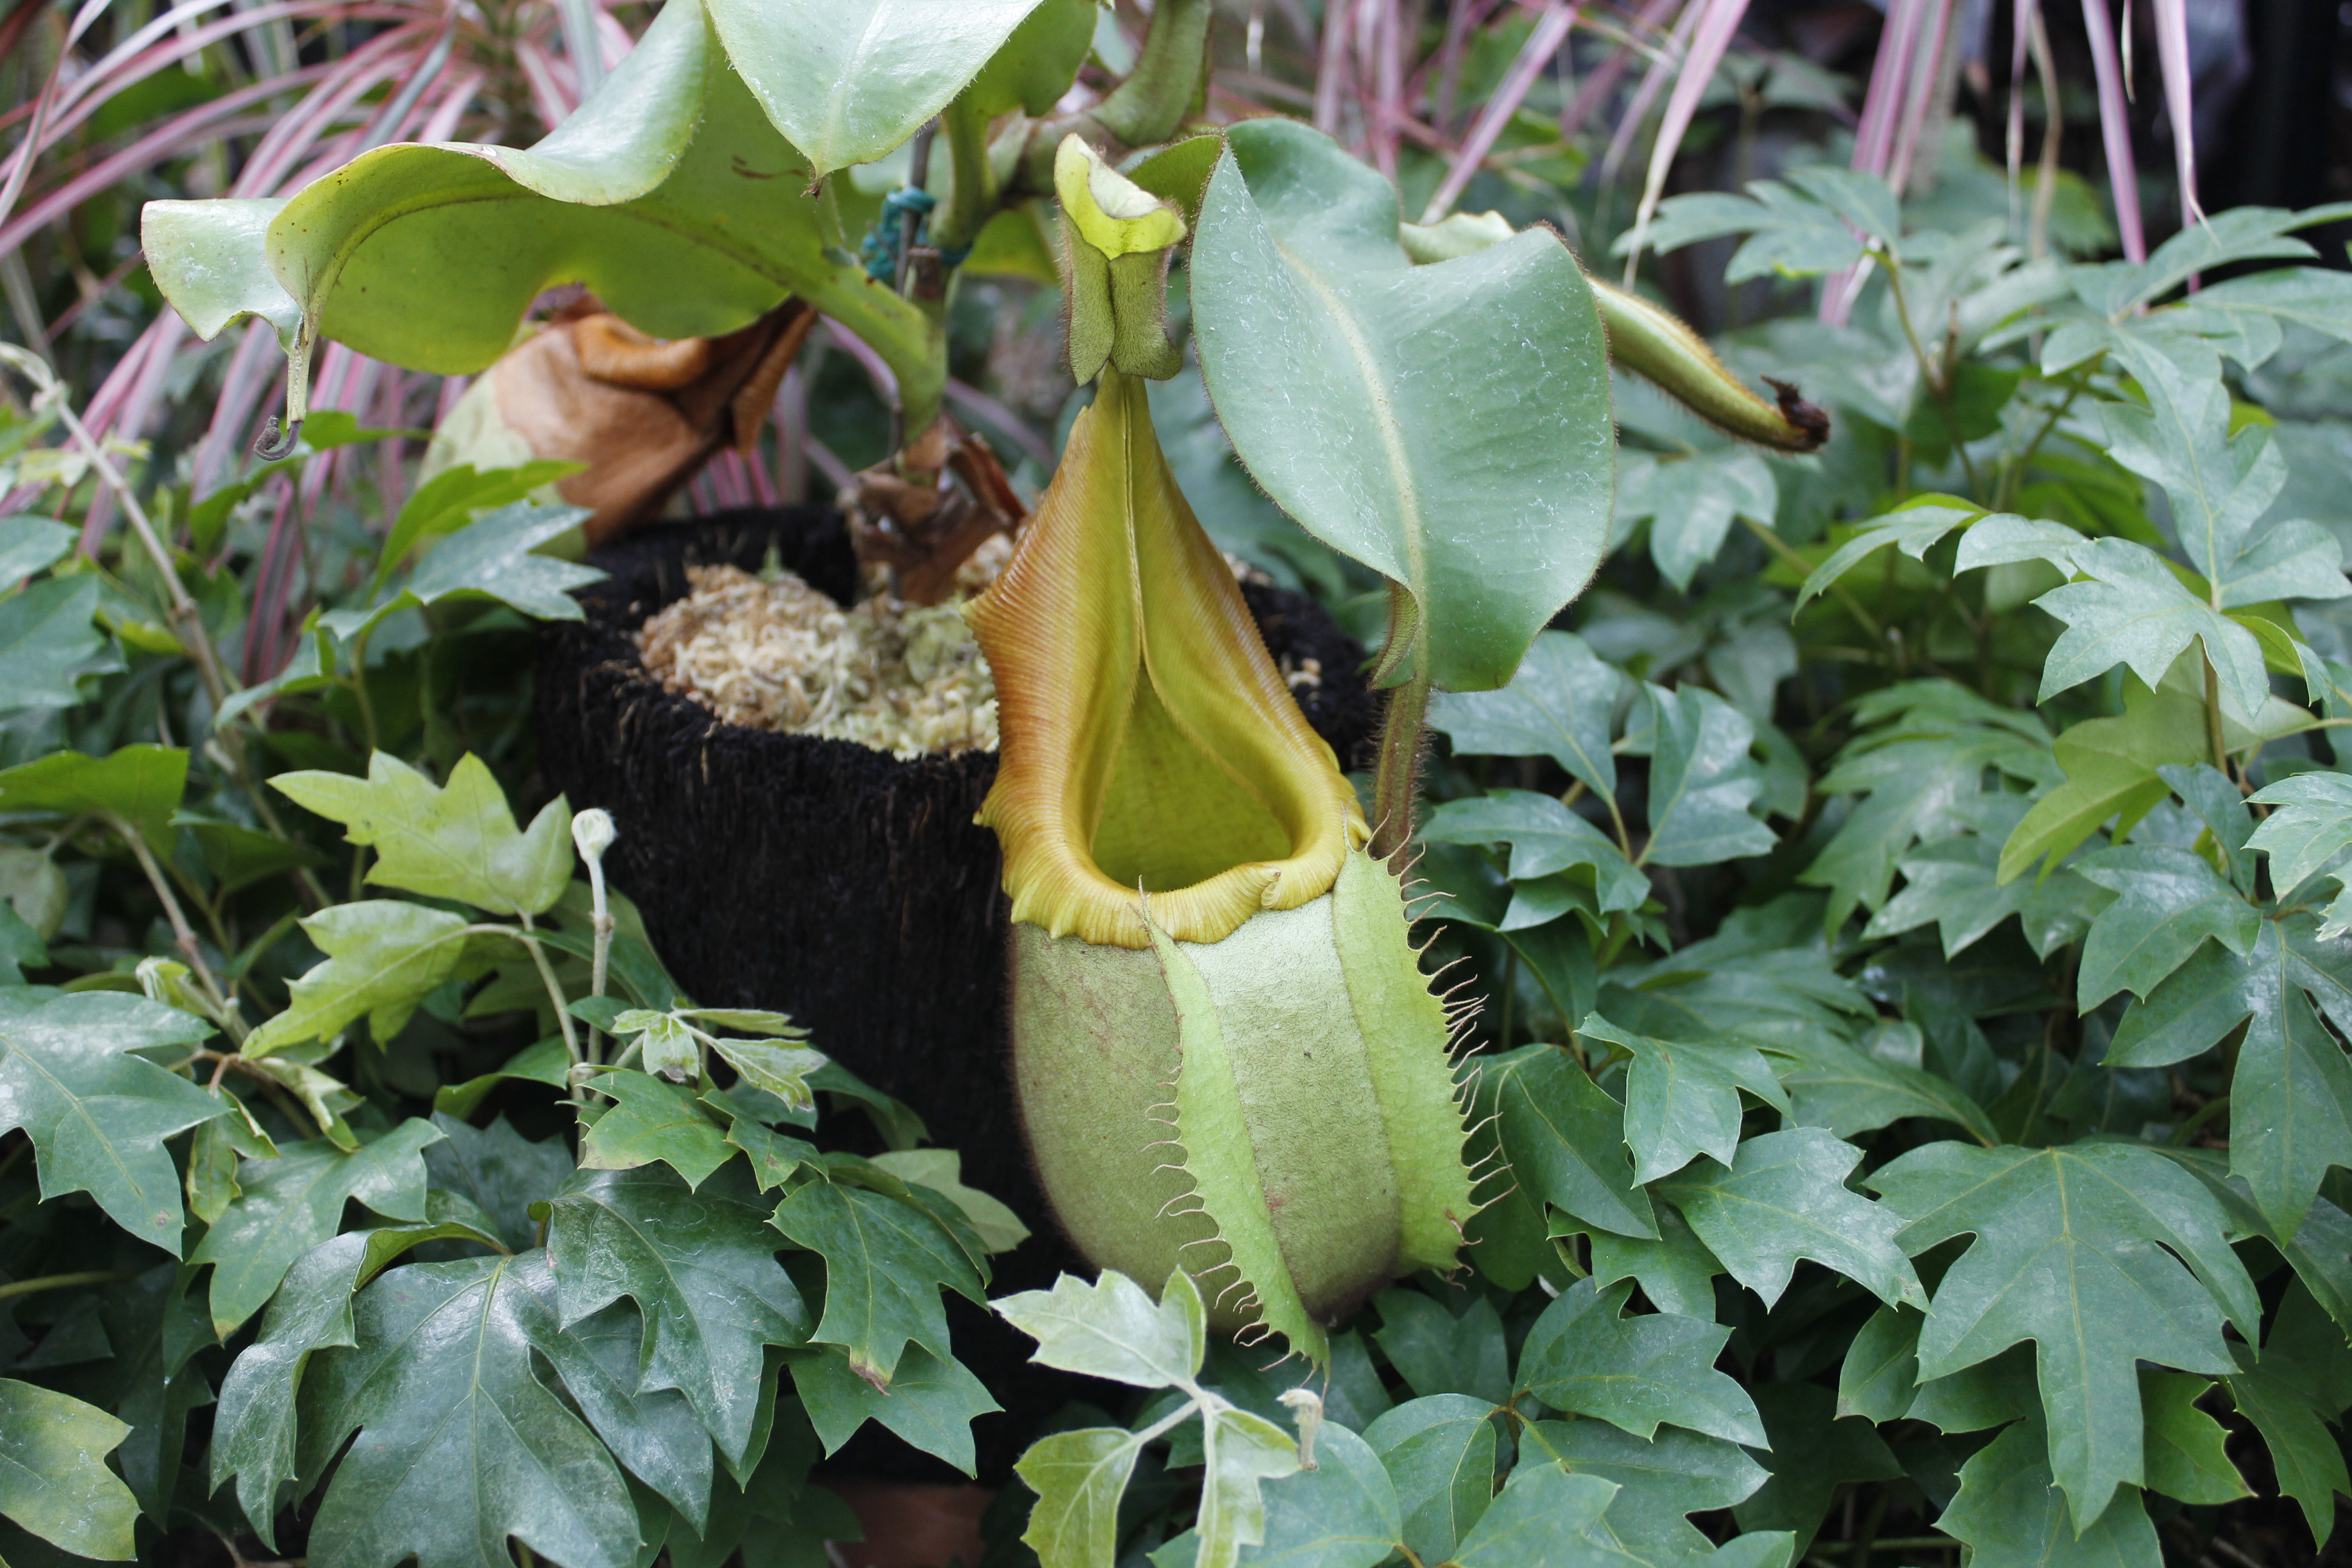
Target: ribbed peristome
1149,742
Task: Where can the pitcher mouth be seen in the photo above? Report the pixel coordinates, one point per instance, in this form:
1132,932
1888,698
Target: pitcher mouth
1150,745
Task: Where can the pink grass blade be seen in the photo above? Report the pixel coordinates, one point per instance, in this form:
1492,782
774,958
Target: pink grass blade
1718,21
1925,85
1550,32
2172,56
1661,69
2115,129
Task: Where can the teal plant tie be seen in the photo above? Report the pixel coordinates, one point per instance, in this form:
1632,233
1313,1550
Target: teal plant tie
879,248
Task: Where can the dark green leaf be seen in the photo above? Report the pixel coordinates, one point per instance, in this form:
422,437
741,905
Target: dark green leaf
1344,1514
2070,1253
2184,1446
1565,1139
1584,1358
1680,1473
1439,1453
1545,836
1438,1351
2169,900
1559,705
461,1447
1832,1085
700,1263
1676,1271
48,639
653,1120
1702,782
53,1477
28,543
98,1115
931,1401
1682,1098
501,1171
884,1261
140,785
1541,1511
1785,1197
291,1203
1814,1452
2009,1511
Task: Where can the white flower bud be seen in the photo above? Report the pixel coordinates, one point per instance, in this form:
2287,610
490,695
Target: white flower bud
594,832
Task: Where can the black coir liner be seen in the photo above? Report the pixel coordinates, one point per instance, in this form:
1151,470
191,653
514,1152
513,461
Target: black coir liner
840,885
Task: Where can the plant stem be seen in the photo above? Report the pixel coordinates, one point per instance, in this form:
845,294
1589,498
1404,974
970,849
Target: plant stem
62,1282
226,1015
1394,786
1158,93
1936,387
2213,716
1787,555
528,938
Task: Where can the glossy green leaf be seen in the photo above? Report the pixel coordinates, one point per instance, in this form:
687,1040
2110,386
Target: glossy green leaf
700,1264
140,785
1346,1511
1702,782
1659,1482
1559,704
654,1432
98,1115
2309,826
885,1263
653,1120
383,957
2291,1094
2009,1511
454,498
2184,1450
1545,836
1832,1085
254,1428
2134,612
1584,1357
1912,527
1956,884
48,639
1682,1098
53,1477
847,82
1439,1454
1565,1139
931,1401
1472,464
1784,1197
498,557
291,1203
502,1172
1675,1270
1438,1350
211,260
2070,1252
2168,902
1113,1328
460,1447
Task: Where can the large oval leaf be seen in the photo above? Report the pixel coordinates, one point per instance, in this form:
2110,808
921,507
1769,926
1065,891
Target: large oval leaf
1447,424
668,194
849,79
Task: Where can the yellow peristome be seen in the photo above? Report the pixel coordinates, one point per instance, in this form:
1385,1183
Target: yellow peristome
1149,741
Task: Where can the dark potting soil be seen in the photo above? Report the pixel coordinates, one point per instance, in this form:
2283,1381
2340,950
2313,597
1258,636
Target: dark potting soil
847,888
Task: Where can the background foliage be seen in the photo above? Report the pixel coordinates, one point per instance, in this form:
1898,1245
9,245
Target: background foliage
1904,889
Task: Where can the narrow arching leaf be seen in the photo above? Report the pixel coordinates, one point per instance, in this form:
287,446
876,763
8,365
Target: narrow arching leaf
460,1447
2066,1255
384,955
291,1203
884,1262
847,82
98,1115
1584,1357
1784,1197
53,1477
498,557
700,1264
1559,704
1468,462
